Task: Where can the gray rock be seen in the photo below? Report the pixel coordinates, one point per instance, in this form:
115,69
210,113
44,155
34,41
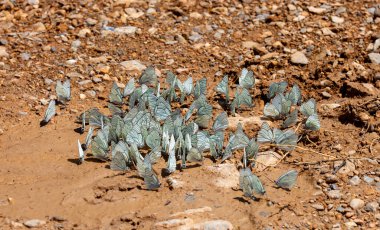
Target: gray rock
212,225
376,44
127,30
91,21
374,57
25,56
34,223
318,207
326,94
336,227
356,203
368,180
340,209
371,206
334,194
75,44
337,20
355,180
299,58
195,37
3,52
133,65
316,10
96,80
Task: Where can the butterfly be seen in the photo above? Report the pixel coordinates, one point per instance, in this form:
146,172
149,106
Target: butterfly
223,88
187,88
294,95
88,140
49,113
252,149
155,154
162,109
246,79
309,108
279,107
129,88
115,95
287,180
150,178
115,110
99,145
312,123
148,77
194,155
221,122
276,88
81,153
119,162
239,140
171,166
200,88
242,97
153,139
63,91
291,119
286,140
250,183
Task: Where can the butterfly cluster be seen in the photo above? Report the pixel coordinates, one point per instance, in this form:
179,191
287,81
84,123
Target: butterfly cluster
144,127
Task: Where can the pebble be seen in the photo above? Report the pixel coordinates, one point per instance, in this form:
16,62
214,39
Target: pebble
349,167
91,93
3,52
350,225
356,203
101,68
44,101
374,57
316,10
82,96
371,206
96,80
196,15
127,30
376,44
75,44
91,21
38,27
318,207
326,94
337,20
195,36
174,223
33,2
255,46
299,58
84,32
34,223
267,158
210,225
133,65
25,56
84,82
355,180
334,194
368,180
327,32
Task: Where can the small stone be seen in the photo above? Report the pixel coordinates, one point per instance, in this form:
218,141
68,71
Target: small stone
84,32
38,27
174,223
25,56
212,224
91,21
267,158
34,223
334,194
75,44
327,32
82,96
318,207
3,52
336,227
91,93
326,94
337,20
371,207
374,57
299,58
44,101
316,10
195,36
127,30
71,62
33,2
133,66
196,15
84,82
348,167
96,80
350,225
338,147
356,203
355,180
330,179
330,106
368,180
101,68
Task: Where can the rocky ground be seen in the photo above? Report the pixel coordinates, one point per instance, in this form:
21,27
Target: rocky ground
331,49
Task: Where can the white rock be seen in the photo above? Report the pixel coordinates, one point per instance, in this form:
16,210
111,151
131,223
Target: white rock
227,175
337,20
330,106
3,52
34,223
334,194
355,180
356,203
234,121
82,96
299,58
316,10
196,15
193,211
374,57
326,31
376,44
127,30
33,2
133,65
267,159
210,225
350,224
174,223
348,167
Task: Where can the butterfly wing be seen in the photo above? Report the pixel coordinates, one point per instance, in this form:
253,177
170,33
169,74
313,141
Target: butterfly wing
246,79
265,134
118,162
312,123
148,76
129,88
171,167
308,108
291,119
81,153
162,109
223,88
287,180
221,122
50,111
115,95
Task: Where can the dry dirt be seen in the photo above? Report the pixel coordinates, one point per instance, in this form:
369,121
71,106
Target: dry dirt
40,179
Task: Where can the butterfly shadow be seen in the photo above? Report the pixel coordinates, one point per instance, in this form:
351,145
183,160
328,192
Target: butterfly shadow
79,130
74,161
43,123
242,199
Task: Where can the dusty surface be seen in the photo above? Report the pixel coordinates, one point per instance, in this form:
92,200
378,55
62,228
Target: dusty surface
39,43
